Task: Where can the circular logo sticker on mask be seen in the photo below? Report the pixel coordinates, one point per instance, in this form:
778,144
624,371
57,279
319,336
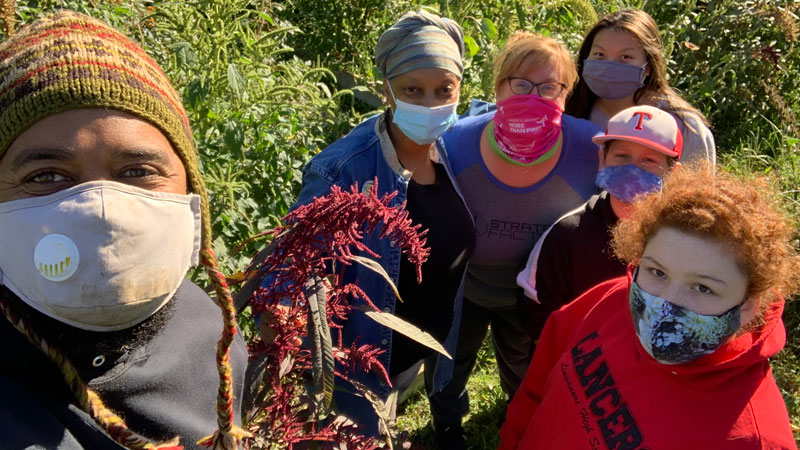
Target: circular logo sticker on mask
56,257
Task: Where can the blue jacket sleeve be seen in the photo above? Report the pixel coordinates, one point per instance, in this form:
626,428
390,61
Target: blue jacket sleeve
316,183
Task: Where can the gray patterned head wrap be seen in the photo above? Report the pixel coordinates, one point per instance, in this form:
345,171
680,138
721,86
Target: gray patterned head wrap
420,40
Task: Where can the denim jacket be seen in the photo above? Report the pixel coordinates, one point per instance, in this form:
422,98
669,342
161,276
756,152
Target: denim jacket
361,156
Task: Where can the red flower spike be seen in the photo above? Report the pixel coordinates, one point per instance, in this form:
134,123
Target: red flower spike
323,234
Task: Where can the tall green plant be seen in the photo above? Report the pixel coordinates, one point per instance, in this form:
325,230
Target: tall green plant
737,60
772,151
258,113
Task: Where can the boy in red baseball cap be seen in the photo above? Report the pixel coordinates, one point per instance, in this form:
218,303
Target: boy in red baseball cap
639,147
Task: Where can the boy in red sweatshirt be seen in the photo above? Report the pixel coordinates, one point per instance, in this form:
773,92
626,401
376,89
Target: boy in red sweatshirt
675,354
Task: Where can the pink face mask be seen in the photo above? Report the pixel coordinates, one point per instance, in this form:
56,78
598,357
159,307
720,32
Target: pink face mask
527,127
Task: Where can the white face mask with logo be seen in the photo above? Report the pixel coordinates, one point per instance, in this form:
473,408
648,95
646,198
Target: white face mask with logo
100,256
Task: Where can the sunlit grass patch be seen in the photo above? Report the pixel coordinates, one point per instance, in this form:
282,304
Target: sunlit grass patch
487,408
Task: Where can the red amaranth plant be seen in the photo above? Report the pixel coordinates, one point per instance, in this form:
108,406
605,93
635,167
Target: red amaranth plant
364,357
301,289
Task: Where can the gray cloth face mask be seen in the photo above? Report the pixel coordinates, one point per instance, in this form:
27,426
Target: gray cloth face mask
100,256
611,79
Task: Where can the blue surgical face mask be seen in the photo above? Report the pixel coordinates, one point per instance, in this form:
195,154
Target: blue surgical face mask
422,124
673,334
628,181
611,79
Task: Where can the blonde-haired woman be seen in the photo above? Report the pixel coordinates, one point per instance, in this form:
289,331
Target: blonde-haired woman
520,168
675,354
621,64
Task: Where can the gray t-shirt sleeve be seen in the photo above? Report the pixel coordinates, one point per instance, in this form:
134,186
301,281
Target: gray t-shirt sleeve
698,141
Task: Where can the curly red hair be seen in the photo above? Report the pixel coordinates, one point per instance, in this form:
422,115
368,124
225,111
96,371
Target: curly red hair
743,212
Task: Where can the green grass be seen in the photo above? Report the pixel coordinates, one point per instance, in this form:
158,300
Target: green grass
487,408
776,153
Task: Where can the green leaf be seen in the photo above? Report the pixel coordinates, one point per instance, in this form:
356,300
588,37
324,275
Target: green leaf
405,328
219,246
184,53
522,16
196,92
265,17
472,46
319,334
378,406
489,29
236,81
377,268
234,137
286,366
122,11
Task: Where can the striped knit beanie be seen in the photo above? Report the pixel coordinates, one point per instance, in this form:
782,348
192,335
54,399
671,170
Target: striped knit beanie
420,40
67,61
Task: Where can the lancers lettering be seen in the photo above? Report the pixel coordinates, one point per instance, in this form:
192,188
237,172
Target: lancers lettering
606,406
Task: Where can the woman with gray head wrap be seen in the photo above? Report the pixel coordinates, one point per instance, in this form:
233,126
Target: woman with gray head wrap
421,47
420,59
420,40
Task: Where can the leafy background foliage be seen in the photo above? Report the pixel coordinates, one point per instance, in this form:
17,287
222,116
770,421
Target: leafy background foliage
261,83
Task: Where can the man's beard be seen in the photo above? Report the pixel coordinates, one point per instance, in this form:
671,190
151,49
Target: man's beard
82,347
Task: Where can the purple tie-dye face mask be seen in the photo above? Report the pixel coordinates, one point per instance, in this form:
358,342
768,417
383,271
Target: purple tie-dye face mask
628,181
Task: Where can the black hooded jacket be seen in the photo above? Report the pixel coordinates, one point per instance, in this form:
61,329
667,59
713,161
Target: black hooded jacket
164,386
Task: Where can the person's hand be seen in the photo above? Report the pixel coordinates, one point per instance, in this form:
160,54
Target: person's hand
269,321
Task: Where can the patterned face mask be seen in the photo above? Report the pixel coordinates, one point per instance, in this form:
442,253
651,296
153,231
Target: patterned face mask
628,181
673,334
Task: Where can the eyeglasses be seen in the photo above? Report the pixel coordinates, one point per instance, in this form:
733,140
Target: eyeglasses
549,89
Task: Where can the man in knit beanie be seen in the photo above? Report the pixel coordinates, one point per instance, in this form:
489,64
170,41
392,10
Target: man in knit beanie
103,212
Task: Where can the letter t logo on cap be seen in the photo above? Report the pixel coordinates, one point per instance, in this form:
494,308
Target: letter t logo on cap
646,125
641,115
